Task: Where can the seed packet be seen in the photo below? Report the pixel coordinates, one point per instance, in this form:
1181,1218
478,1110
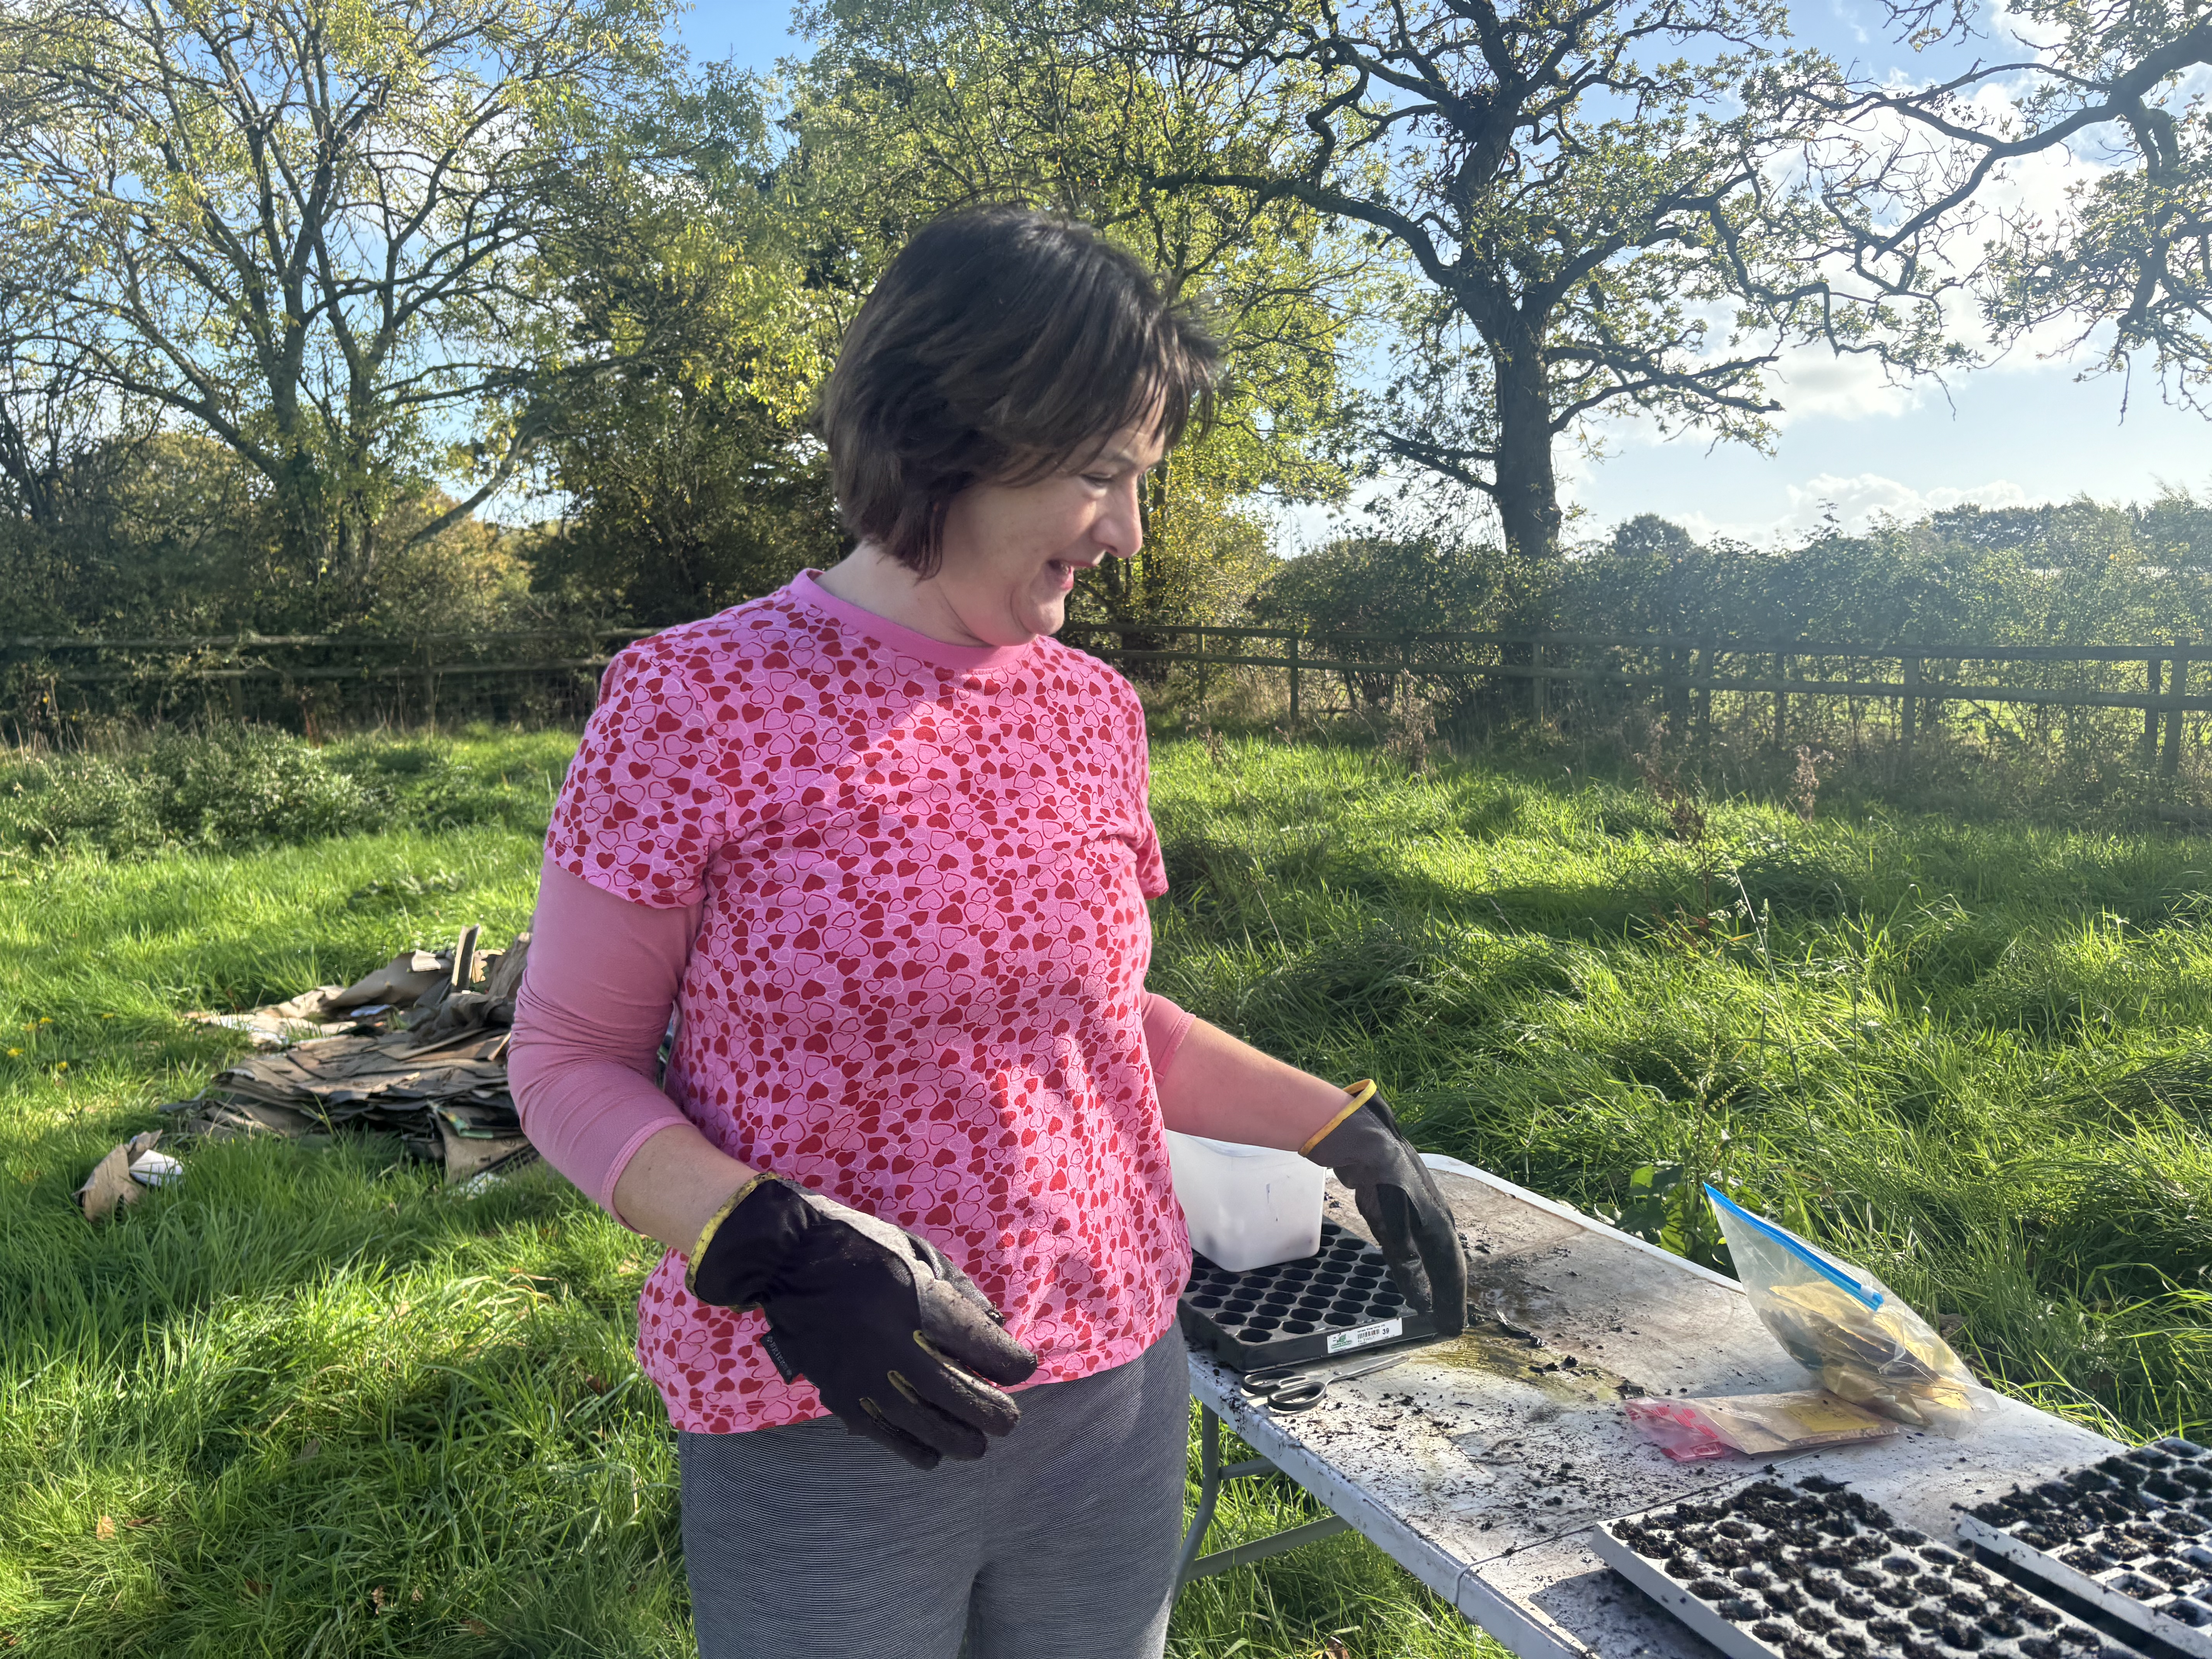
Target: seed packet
1757,1424
1844,1324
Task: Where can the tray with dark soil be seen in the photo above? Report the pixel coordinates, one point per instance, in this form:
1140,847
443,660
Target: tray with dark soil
2131,1536
1817,1571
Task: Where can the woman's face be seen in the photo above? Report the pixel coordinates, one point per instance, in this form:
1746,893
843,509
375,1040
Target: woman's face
1012,553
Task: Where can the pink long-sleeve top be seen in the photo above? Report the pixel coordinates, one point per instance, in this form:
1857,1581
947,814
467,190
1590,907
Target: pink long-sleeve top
602,980
896,896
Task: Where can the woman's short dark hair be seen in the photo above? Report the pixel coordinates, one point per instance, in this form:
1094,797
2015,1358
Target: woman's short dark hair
1001,344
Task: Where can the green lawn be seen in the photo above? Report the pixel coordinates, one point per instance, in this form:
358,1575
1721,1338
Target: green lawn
325,1408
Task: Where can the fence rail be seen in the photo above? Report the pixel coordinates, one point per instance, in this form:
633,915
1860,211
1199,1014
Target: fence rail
306,678
1688,670
1686,665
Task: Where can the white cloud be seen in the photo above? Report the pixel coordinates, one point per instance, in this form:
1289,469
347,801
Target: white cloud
1857,502
1811,379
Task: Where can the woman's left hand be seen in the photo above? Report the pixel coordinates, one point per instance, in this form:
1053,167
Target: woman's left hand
1212,1084
1401,1204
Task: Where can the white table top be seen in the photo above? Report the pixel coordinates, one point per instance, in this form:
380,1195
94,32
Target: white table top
1483,1475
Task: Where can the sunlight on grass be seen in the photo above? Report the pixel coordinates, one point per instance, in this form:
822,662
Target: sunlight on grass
308,1402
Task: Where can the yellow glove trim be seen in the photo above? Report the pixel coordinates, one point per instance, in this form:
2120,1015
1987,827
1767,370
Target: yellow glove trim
714,1222
1362,1092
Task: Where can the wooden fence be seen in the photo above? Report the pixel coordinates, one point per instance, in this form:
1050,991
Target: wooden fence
1914,680
292,677
1569,675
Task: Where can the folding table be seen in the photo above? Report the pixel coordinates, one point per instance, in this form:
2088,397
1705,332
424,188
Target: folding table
1481,1466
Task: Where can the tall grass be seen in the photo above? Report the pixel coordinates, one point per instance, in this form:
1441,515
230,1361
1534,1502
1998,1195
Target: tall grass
308,1403
1974,1057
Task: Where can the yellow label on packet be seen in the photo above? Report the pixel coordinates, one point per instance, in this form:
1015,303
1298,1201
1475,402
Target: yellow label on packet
1823,1413
1759,1424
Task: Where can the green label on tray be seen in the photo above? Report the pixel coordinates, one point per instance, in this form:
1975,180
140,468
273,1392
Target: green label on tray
1365,1336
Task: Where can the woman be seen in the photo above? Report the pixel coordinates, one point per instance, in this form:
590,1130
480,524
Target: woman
882,845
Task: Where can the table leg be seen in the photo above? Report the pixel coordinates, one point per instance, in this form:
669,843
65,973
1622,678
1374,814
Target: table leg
1212,1474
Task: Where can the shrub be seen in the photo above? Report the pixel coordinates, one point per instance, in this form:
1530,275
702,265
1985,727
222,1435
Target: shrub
238,788
214,789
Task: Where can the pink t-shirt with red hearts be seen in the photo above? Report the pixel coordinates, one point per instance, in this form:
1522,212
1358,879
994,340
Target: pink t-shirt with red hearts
917,985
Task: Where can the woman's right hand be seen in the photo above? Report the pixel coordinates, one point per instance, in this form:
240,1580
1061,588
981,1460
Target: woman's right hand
899,1343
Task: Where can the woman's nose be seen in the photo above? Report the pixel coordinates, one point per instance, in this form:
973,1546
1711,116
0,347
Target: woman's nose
1120,529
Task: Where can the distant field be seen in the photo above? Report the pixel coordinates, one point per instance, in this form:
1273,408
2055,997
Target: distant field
308,1403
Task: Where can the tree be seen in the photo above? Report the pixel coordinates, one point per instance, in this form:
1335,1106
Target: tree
314,229
912,107
2130,251
166,534
62,434
684,498
690,479
1587,191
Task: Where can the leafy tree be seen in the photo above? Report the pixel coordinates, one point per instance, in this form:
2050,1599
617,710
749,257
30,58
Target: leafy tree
312,230
1582,188
472,577
684,500
1387,586
2128,262
1395,585
168,534
690,477
911,108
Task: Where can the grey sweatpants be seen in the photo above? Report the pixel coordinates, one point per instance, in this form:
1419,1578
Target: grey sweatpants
807,1542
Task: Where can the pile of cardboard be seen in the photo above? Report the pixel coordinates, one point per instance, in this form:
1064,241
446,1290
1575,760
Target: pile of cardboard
416,1049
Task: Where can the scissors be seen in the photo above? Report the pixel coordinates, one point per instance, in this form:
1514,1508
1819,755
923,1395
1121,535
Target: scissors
1286,1389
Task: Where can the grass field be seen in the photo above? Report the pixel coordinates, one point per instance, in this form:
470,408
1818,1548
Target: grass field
307,1403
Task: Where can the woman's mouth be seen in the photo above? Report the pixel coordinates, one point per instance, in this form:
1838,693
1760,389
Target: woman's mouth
1063,573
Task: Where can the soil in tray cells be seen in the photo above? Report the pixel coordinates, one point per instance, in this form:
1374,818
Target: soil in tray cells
2131,1521
1821,1573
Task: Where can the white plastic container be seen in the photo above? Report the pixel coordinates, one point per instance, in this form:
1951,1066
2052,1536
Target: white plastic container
1248,1206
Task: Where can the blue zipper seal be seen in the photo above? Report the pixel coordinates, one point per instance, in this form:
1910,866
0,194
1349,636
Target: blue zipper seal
1796,1247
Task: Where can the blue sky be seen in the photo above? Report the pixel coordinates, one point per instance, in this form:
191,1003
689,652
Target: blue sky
2027,430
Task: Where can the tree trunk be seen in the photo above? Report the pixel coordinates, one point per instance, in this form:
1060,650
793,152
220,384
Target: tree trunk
1527,495
328,529
1528,487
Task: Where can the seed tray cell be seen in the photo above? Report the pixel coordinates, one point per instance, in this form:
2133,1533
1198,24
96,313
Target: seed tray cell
1338,1299
2131,1535
1817,1571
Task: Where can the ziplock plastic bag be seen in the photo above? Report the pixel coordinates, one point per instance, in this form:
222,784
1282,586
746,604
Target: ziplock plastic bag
1843,1323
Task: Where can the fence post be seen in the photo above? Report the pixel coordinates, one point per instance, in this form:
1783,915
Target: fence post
1702,669
2151,682
1908,706
1543,686
1781,702
236,688
1294,679
429,685
2177,688
1674,691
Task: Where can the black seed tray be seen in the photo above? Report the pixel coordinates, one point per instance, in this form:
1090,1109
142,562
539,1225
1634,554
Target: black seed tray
1817,1571
1337,1300
2131,1536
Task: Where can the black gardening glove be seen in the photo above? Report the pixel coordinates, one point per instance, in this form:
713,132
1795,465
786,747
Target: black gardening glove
897,1341
1399,1200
